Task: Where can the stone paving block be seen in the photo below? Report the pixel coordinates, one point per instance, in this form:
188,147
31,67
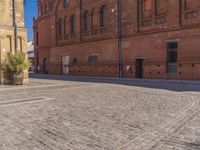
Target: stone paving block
99,116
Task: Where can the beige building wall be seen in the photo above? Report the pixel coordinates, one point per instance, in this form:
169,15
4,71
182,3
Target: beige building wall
7,34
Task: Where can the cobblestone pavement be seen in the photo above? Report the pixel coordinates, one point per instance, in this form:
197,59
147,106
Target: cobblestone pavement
83,113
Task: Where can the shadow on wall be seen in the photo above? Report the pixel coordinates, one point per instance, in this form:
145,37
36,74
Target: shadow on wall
173,85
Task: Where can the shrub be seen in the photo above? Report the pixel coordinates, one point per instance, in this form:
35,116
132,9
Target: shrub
15,62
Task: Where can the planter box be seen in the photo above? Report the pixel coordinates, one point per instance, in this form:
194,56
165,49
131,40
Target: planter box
17,78
6,78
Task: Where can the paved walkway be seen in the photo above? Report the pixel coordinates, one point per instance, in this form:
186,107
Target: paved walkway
84,113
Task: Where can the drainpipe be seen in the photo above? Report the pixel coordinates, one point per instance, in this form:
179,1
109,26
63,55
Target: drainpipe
15,24
120,56
80,20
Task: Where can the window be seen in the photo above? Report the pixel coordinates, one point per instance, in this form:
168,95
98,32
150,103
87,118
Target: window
92,59
172,56
160,7
65,25
59,27
46,9
147,5
85,20
42,9
103,16
37,38
92,19
50,6
66,2
75,60
191,4
72,24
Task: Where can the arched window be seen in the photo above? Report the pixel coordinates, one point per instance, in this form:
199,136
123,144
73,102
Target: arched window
160,7
59,27
103,16
86,20
42,9
72,24
147,5
45,8
65,2
65,25
191,4
92,19
50,6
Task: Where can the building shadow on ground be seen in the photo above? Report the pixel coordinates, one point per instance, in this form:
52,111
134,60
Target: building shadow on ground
173,85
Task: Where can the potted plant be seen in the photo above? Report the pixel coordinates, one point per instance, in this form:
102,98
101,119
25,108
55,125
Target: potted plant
5,68
13,67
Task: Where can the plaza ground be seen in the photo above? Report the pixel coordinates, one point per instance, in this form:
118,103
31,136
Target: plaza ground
87,113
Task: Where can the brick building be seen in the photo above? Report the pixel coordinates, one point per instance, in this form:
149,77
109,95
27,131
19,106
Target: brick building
7,30
144,38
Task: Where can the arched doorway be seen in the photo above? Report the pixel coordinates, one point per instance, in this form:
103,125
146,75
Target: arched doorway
45,65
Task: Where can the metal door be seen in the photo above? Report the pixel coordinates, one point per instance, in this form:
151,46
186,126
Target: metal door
139,68
65,65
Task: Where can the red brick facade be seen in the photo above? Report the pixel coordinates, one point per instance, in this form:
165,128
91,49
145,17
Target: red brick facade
159,38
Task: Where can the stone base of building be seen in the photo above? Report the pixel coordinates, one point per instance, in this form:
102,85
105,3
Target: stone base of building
156,70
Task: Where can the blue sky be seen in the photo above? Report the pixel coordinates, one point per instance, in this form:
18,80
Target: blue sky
30,12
